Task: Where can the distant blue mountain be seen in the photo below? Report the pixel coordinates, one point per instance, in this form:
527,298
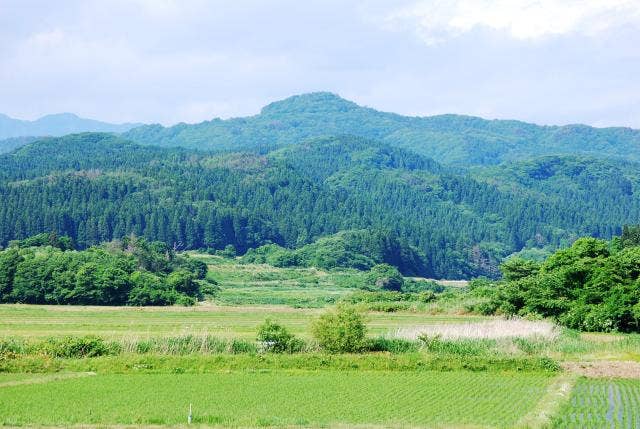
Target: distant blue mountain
56,125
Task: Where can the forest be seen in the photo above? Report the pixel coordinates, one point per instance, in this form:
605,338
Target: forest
594,285
45,269
457,140
446,222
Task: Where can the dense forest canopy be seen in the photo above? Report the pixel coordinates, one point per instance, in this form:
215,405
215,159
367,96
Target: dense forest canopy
99,187
452,139
44,270
359,249
594,285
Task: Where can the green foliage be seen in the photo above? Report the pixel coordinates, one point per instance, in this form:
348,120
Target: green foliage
516,268
391,345
385,277
44,239
392,206
359,249
590,286
133,272
277,339
630,236
77,347
455,139
188,345
416,285
341,330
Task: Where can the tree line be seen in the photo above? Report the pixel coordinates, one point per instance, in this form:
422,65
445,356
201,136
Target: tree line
594,285
97,187
45,270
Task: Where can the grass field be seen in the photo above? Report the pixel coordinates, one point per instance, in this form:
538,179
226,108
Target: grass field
469,372
279,398
602,403
259,284
223,321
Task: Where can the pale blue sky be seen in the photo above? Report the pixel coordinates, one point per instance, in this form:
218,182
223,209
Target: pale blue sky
543,61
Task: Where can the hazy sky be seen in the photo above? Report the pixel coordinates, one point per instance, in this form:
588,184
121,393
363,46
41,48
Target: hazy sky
544,61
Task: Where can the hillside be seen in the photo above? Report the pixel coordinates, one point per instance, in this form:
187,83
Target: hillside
55,125
97,187
11,143
449,139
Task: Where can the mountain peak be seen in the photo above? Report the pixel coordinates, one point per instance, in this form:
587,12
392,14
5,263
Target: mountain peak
313,102
63,115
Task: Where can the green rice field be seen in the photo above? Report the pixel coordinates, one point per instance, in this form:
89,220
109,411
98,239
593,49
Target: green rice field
279,398
468,383
602,403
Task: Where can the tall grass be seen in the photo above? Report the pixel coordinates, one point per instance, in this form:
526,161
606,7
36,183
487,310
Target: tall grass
492,329
187,344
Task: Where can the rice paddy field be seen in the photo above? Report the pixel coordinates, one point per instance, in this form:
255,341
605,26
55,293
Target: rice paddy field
470,371
602,403
260,284
280,398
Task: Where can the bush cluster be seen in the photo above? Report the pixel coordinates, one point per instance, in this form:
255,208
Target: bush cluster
594,286
131,271
277,339
342,330
359,249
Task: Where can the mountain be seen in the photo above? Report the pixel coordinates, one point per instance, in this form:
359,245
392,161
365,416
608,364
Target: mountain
55,125
449,139
7,145
95,187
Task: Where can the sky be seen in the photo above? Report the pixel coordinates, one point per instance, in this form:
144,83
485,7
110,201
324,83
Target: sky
165,61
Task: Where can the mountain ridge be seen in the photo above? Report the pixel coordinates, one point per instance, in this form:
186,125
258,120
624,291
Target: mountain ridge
98,186
56,125
451,139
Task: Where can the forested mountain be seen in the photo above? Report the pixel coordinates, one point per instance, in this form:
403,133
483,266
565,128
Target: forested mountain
7,145
595,191
97,187
450,139
55,125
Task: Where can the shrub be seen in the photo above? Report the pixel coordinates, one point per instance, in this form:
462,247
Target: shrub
341,331
10,347
388,307
277,339
240,346
77,347
386,277
391,345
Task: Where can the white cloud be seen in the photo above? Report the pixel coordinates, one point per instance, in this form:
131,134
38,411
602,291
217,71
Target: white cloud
438,20
190,60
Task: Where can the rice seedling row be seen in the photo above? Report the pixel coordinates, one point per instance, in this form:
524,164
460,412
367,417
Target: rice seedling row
244,398
600,403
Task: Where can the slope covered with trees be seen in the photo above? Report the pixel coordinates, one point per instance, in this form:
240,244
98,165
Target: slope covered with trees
132,271
7,145
98,187
594,285
451,139
359,249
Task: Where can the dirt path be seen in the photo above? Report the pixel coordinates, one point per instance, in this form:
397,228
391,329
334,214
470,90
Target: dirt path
600,369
